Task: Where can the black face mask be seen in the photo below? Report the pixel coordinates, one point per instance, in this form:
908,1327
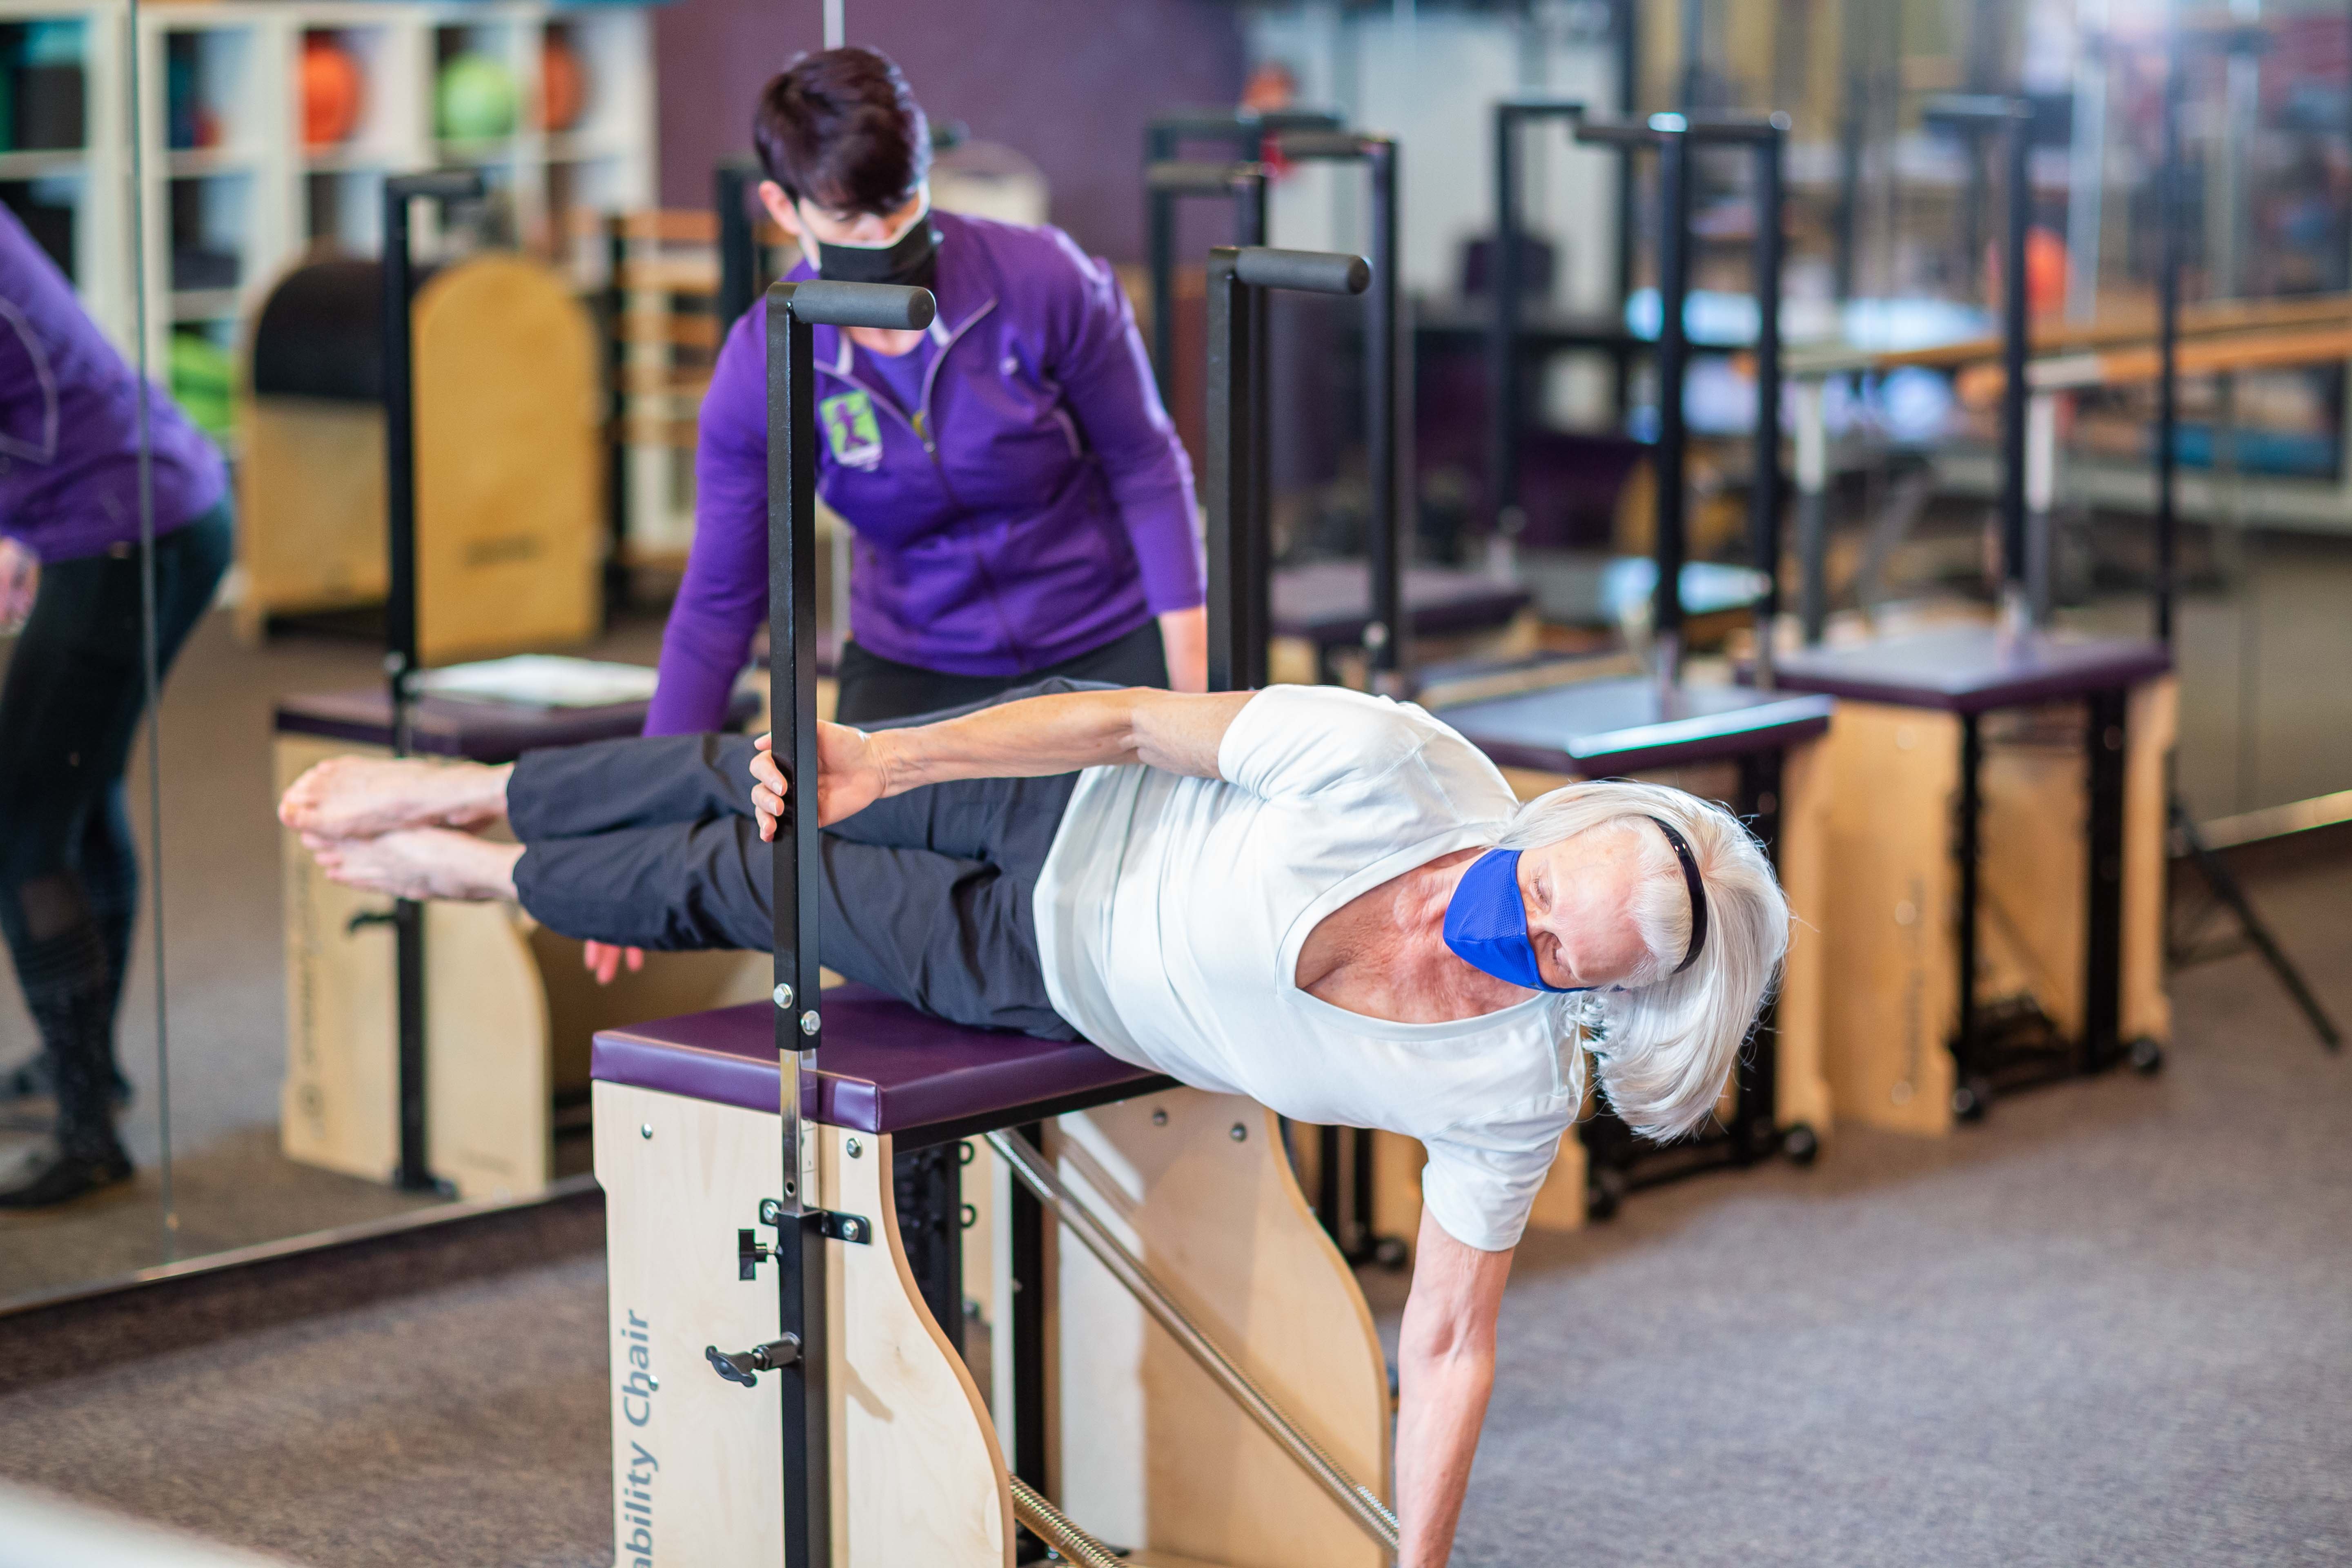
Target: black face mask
911,260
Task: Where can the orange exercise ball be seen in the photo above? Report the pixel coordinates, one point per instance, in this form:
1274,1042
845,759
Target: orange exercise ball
333,92
563,85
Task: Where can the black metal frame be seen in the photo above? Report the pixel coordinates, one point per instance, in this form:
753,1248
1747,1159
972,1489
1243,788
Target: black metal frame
799,1221
414,1172
1244,132
1974,117
1503,414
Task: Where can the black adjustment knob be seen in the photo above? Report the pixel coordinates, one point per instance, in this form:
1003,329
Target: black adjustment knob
744,1366
749,1255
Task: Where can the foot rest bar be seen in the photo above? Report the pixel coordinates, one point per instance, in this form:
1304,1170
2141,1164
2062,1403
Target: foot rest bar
1055,1528
1362,1505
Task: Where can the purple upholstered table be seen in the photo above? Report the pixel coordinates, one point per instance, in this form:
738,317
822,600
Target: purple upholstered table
884,1068
1602,727
1972,669
1329,603
456,727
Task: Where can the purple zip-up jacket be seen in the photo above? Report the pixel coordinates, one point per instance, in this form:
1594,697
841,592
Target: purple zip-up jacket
1035,505
68,422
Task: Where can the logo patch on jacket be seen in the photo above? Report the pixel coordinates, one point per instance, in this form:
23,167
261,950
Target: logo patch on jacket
851,429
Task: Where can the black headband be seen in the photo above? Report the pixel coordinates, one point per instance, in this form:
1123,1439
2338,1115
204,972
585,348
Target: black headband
1698,892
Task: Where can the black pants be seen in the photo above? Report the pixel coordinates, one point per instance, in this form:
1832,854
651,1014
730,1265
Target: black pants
928,895
68,875
875,689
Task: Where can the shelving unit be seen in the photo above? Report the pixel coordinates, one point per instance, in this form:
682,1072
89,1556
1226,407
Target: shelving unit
231,194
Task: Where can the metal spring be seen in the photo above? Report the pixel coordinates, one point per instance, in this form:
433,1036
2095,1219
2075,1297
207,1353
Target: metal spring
1053,1527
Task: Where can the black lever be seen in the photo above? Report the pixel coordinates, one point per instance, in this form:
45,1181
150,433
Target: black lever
744,1366
749,1255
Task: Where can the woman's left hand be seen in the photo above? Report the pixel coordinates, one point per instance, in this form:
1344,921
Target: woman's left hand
20,582
850,776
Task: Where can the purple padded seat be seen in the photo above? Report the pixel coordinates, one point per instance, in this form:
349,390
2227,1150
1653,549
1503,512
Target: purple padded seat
884,1068
1329,603
1969,669
480,731
1601,728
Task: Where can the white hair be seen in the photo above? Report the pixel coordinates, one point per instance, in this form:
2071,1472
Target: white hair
1665,1043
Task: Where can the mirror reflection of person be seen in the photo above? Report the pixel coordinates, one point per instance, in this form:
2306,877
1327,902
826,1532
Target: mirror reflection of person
1022,507
69,708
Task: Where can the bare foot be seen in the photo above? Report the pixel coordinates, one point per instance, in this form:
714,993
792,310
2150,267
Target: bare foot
355,797
421,863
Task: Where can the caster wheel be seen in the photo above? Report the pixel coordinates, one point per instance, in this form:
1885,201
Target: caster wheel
1390,1253
2146,1056
1970,1099
1799,1144
1603,1193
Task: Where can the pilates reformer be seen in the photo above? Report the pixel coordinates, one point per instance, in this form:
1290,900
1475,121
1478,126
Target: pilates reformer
826,1416
1912,736
1655,722
444,1064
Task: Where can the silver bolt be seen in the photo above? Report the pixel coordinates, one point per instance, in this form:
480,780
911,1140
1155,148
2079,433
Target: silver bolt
652,1383
783,995
1159,1118
808,1022
1241,1134
647,1131
854,1148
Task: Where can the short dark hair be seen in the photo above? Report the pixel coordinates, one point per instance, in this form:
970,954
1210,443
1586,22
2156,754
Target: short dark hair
842,129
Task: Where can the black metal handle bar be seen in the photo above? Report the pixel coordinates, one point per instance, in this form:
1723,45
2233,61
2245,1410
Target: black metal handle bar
1193,178
1305,146
1302,271
441,184
892,307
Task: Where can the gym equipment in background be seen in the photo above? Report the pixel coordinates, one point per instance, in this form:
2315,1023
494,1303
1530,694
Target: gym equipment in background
1320,610
439,1065
805,1117
563,85
509,514
474,99
334,92
1657,725
2064,851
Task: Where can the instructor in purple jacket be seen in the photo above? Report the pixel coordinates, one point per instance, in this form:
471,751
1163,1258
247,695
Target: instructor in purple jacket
1021,505
70,502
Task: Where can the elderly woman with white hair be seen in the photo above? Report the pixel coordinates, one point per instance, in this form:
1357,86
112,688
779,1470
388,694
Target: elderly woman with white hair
1327,901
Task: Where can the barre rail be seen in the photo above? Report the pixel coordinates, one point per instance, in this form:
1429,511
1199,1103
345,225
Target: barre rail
1028,1165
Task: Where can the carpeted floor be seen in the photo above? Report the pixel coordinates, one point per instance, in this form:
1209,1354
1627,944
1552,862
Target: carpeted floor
2112,1325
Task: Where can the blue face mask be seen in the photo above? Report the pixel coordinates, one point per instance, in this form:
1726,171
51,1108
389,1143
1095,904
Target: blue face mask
1486,922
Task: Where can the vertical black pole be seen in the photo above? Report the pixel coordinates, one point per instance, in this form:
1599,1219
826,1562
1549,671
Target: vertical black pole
1965,1053
2018,131
1254,438
800,1247
1387,529
2103,930
1629,93
739,249
416,1173
1674,355
1503,342
1764,502
2168,337
1236,652
617,409
1160,208
401,655
1694,41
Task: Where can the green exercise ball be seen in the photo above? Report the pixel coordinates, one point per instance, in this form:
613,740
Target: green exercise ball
475,100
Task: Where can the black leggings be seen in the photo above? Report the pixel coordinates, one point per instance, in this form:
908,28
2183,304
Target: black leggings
68,876
929,895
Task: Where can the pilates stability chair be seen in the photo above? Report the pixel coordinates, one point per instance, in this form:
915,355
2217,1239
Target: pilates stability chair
444,1048
1183,1364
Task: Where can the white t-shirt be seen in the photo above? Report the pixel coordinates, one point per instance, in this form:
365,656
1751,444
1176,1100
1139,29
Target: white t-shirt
1170,913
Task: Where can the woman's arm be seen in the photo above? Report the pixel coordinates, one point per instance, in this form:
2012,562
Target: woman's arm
1098,360
1445,1371
1184,634
724,595
1177,733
